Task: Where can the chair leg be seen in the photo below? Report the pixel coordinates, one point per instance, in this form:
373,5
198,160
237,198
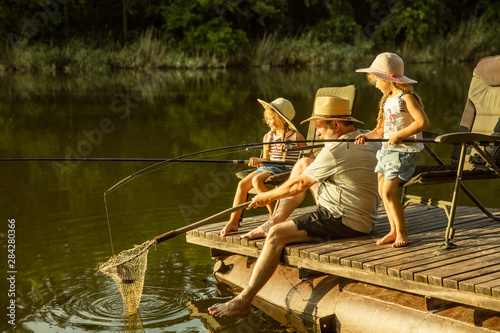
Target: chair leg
241,216
450,231
485,157
478,204
403,197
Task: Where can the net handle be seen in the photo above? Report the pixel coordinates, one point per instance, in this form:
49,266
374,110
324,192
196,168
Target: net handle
173,233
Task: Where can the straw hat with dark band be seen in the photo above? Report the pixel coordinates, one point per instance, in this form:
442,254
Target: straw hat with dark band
332,108
283,108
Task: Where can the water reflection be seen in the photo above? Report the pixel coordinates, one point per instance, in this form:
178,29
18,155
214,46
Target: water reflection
61,229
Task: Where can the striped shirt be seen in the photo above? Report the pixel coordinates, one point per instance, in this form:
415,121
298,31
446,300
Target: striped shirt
277,154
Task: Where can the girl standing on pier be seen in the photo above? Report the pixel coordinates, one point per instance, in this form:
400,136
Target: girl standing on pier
401,116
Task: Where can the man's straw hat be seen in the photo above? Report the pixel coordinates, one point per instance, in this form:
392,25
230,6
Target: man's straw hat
283,108
332,108
389,67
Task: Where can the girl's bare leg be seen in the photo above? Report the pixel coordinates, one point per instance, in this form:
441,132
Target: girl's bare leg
241,194
395,213
258,184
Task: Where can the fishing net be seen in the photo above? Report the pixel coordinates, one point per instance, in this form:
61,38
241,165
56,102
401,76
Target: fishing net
128,269
133,324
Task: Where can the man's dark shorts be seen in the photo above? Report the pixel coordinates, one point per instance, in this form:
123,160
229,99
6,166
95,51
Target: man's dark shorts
321,225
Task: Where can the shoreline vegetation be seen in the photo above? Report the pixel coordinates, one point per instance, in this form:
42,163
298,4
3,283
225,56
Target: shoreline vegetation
205,44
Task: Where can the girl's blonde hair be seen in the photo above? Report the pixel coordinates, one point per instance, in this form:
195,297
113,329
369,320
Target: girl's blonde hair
406,88
269,112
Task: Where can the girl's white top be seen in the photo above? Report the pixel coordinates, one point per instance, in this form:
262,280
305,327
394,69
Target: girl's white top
397,117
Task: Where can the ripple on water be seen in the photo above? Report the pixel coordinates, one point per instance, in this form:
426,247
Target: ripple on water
102,310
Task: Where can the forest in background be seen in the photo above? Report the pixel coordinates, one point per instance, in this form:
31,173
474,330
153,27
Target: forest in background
88,35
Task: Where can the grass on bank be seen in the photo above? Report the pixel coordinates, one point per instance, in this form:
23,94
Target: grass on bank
471,41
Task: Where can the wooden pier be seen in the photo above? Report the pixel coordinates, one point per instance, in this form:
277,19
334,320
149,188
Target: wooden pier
454,284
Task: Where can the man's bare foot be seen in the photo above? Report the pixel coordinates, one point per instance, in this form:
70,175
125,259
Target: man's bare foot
390,237
401,240
228,228
255,233
259,232
233,308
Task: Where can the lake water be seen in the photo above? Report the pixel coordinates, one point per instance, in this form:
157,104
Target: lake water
57,208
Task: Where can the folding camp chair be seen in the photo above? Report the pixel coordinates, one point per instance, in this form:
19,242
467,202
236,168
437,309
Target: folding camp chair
476,151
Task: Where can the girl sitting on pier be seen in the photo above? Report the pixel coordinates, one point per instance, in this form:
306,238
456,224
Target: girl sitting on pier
278,116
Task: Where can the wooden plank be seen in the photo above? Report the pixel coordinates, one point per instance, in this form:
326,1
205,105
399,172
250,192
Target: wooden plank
495,292
439,259
422,242
391,265
350,257
406,267
473,267
323,248
243,250
478,270
468,281
413,287
488,282
434,274
356,257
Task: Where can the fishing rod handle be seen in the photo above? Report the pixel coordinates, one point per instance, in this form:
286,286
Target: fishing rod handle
173,233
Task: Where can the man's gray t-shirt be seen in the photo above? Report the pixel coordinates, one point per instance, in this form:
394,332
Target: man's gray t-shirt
348,184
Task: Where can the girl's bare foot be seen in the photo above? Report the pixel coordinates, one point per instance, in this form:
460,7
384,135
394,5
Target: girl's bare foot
232,308
390,237
228,228
401,240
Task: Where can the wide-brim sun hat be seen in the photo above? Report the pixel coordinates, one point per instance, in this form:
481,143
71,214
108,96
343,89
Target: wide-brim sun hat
332,108
283,108
388,66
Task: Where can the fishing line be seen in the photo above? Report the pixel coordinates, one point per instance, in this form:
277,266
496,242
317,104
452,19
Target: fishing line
158,166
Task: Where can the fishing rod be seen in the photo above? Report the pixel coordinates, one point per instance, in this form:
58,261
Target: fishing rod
157,166
250,146
245,145
173,160
288,145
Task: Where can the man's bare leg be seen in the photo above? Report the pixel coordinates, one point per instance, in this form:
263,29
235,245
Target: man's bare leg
266,264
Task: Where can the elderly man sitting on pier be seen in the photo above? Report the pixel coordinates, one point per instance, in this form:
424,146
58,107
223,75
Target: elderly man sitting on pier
343,183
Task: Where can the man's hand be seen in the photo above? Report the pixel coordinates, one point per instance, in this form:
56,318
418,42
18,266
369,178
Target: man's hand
361,139
259,200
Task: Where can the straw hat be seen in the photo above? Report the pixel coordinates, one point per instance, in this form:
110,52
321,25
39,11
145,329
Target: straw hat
332,108
389,67
283,108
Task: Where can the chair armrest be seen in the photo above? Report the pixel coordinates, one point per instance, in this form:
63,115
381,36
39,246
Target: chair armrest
465,137
430,135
